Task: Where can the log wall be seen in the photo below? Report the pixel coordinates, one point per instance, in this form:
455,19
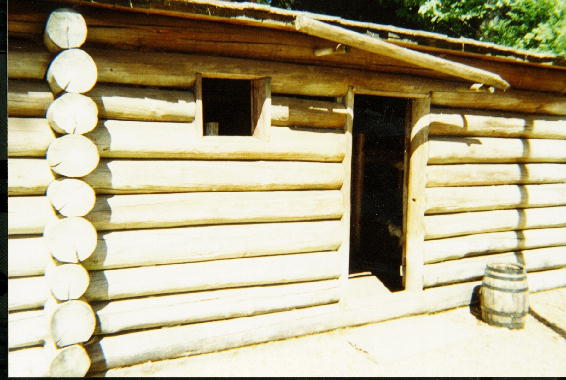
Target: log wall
187,229
496,192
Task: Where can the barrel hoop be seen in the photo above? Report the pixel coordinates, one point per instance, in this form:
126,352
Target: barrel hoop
504,313
522,278
492,268
521,290
508,325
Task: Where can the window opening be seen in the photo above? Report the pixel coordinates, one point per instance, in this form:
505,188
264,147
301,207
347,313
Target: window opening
227,107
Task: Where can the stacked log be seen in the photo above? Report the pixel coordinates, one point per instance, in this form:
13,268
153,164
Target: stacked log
495,192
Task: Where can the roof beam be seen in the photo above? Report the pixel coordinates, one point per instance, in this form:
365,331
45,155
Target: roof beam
320,29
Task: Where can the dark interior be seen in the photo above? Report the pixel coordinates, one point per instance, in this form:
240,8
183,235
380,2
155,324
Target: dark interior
377,188
228,102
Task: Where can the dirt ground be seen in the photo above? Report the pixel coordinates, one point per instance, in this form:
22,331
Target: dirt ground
450,343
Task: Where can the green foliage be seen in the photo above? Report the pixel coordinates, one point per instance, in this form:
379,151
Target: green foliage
528,24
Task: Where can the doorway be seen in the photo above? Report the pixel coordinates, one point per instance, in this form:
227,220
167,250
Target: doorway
378,165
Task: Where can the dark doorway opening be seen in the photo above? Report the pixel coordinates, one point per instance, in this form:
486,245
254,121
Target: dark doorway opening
378,166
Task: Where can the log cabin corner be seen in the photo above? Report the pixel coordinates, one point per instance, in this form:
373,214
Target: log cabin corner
192,176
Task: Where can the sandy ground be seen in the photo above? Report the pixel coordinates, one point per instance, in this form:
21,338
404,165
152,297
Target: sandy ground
450,343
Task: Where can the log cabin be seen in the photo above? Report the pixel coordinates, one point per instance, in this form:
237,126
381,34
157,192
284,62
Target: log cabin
192,176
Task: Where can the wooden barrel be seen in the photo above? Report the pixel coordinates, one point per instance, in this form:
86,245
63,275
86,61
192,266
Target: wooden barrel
504,295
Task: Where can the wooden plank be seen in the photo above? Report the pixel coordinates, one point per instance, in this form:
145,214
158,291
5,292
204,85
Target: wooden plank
494,174
473,268
466,223
464,122
457,199
451,150
416,195
28,176
480,244
305,24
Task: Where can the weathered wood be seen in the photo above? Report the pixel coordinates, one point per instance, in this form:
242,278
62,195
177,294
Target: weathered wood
65,29
144,176
70,240
66,281
72,113
69,322
28,98
28,176
28,137
480,244
261,108
27,255
183,209
494,174
466,123
448,150
511,100
130,139
344,36
71,197
29,215
119,249
218,274
71,361
113,102
473,268
72,156
206,337
26,328
466,223
476,198
358,170
72,71
179,70
26,292
287,111
416,195
546,280
170,310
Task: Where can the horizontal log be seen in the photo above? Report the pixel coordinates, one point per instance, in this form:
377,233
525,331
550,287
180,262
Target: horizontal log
69,322
71,361
27,61
31,98
28,176
28,98
176,278
473,268
183,209
480,244
31,292
66,281
159,311
467,123
65,29
448,150
494,174
512,100
28,255
457,199
69,196
70,240
71,70
466,223
206,337
26,328
26,293
287,111
29,137
548,279
29,215
130,139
